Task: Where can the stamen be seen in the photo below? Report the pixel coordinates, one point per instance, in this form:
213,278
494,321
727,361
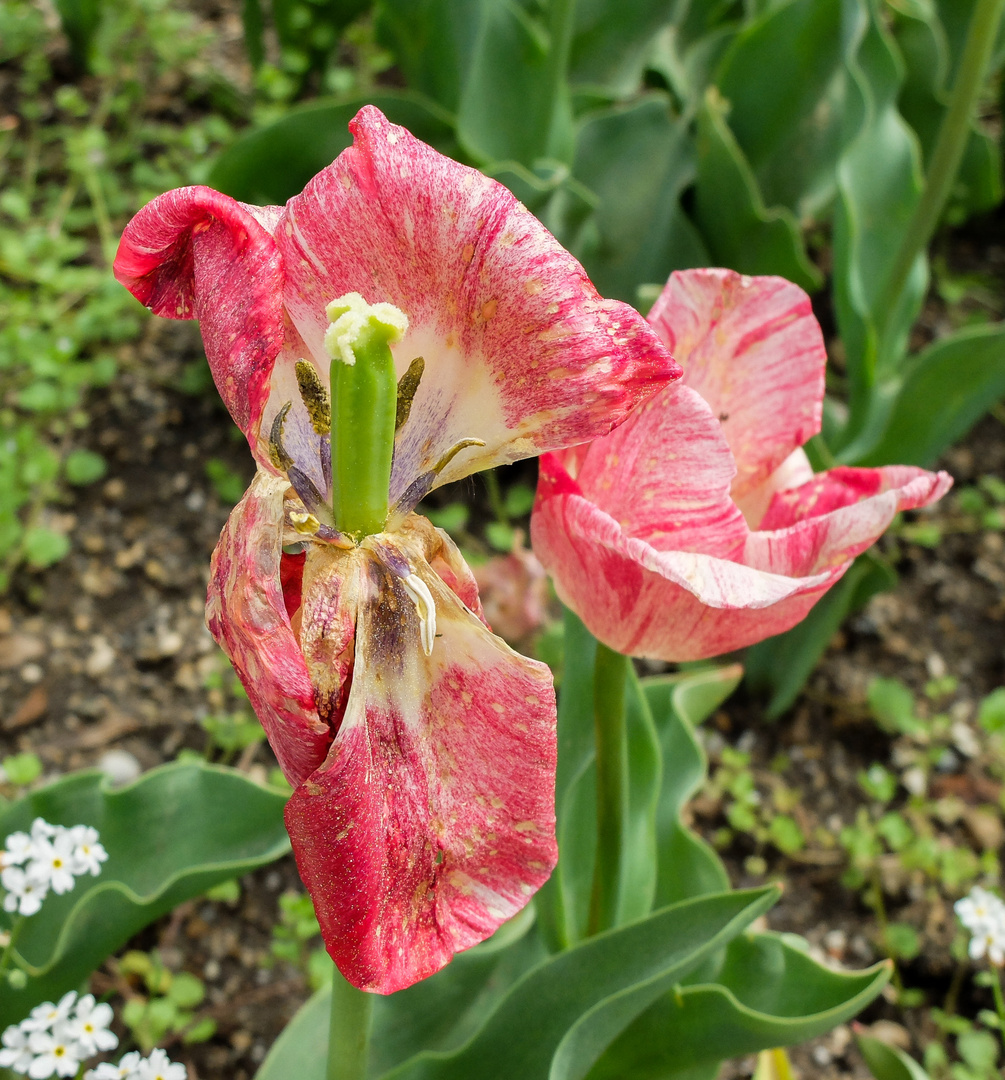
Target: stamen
418,590
454,451
407,386
277,452
315,397
305,524
422,485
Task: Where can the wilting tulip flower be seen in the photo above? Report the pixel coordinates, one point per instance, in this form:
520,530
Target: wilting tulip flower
698,526
401,323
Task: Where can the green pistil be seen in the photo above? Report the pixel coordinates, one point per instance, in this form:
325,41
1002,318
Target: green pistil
363,410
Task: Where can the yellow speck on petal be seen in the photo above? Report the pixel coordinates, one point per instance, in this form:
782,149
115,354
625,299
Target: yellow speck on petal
489,309
468,253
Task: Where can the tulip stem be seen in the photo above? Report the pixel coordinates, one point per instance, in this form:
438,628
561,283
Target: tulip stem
610,676
949,147
348,1030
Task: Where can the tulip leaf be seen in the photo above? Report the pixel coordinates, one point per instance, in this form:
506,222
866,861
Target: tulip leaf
637,160
789,119
171,835
511,106
943,392
612,41
879,184
768,993
561,1015
740,231
272,164
565,900
432,42
887,1062
439,1013
687,865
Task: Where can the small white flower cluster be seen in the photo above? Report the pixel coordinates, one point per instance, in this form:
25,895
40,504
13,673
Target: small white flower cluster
983,914
47,857
55,1039
134,1067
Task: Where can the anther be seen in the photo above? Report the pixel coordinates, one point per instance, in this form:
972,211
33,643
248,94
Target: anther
315,397
418,590
305,524
407,386
277,452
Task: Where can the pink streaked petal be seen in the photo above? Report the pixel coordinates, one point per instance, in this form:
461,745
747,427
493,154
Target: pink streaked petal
664,475
793,471
246,613
432,820
194,253
668,605
826,522
753,350
519,349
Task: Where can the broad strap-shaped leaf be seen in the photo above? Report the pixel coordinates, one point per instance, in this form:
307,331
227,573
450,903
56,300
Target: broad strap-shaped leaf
788,118
611,43
687,865
174,833
739,230
768,993
636,159
269,165
943,392
879,184
558,1019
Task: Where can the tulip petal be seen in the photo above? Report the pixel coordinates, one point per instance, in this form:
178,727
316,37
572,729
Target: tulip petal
835,516
753,350
666,605
664,475
519,349
194,253
246,613
432,819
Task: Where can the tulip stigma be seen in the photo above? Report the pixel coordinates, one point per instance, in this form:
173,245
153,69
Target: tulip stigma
364,407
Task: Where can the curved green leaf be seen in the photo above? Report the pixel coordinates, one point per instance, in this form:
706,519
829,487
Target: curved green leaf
943,392
171,835
612,40
432,41
879,184
274,163
740,231
887,1062
558,1018
637,160
789,118
768,993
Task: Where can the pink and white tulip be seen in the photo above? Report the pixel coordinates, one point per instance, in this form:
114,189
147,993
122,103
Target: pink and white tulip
697,526
421,748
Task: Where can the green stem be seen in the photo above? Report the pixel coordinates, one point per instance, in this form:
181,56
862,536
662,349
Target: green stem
563,19
949,146
996,989
348,1031
8,953
610,675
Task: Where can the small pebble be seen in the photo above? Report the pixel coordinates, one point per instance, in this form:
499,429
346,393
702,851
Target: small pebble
31,673
119,766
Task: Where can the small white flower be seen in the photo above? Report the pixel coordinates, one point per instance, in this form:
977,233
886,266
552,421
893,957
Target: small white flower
983,914
56,1055
42,830
53,861
46,1016
25,892
159,1067
16,849
88,854
127,1068
89,1026
15,1053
